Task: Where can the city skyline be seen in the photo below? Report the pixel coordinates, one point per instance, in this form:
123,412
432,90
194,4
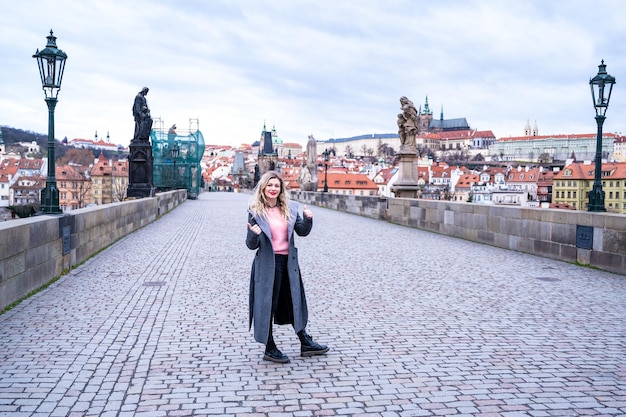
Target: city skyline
333,70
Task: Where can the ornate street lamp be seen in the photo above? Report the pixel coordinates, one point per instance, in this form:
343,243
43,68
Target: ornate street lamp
327,154
51,61
601,87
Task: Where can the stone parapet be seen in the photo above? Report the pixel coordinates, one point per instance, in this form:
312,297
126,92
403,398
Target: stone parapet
590,238
35,250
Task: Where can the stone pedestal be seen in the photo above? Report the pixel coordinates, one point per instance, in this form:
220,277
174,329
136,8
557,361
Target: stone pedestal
140,166
406,185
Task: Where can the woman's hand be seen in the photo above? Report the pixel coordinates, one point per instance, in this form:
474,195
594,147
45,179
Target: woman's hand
307,213
255,229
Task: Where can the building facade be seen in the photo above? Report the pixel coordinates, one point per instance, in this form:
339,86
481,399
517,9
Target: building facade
74,187
556,147
572,185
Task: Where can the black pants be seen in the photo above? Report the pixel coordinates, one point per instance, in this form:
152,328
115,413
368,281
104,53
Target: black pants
282,305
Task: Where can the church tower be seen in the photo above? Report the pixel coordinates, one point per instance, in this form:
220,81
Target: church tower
527,128
535,130
424,118
267,157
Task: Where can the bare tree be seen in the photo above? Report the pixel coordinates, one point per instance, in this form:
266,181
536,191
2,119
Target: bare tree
83,191
544,158
119,187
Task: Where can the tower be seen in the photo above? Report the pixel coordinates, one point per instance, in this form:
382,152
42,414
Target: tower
424,118
267,155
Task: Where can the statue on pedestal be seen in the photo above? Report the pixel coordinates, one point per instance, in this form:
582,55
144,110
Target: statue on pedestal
140,159
406,183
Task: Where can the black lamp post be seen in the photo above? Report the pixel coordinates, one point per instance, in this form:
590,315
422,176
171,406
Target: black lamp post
51,61
601,87
326,154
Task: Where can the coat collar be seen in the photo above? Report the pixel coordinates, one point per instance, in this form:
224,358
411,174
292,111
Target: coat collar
265,226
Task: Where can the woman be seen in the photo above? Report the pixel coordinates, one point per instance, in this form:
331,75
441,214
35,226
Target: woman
276,290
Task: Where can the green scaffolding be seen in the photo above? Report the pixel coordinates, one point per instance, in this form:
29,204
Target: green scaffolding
177,161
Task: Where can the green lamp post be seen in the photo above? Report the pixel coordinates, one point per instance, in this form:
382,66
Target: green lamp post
327,153
51,61
601,87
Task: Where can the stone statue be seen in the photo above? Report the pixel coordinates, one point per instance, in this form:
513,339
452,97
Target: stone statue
307,178
304,176
407,123
405,186
141,113
311,151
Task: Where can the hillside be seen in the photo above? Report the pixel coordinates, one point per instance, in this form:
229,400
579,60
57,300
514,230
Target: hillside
11,135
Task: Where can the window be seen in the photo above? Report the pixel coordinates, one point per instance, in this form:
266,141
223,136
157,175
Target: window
574,194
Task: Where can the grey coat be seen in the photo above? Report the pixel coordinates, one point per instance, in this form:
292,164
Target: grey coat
262,274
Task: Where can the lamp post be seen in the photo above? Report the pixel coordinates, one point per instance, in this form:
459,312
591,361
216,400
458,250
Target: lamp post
601,87
326,154
51,61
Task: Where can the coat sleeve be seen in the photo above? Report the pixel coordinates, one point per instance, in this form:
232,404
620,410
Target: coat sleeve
303,225
252,239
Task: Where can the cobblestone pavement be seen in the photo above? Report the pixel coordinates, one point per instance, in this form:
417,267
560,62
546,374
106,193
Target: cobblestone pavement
419,324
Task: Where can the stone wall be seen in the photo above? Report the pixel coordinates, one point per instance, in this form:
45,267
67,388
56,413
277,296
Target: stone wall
594,239
37,249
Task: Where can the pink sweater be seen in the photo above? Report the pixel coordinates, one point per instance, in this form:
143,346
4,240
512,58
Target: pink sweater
278,227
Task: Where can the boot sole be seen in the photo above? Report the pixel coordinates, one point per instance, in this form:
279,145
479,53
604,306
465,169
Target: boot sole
309,353
275,360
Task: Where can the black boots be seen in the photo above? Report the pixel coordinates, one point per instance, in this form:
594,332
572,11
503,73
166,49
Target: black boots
308,347
274,355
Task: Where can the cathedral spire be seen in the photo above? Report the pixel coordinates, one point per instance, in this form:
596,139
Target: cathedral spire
441,116
426,108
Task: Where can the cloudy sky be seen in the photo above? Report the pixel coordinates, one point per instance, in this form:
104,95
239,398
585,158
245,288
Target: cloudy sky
330,68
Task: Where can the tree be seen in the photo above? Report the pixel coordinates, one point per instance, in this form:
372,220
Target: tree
348,151
83,191
79,156
119,188
385,151
544,158
364,150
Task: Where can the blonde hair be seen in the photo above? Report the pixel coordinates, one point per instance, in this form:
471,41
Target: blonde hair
258,203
